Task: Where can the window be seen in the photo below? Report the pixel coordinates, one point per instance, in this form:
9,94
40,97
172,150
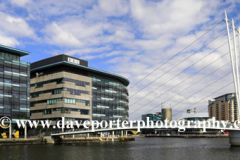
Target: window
53,101
6,105
15,70
47,111
23,106
23,96
7,56
23,72
23,84
85,112
34,95
7,69
57,91
15,83
7,92
70,101
15,95
15,106
7,80
15,58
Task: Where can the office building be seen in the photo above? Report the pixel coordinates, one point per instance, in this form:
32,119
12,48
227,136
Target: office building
224,108
152,117
194,116
64,86
14,84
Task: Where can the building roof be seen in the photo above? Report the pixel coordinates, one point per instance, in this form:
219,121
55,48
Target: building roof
223,95
195,115
14,50
124,80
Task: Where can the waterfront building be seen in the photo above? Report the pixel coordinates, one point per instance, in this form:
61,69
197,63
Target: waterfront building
194,116
152,117
224,108
14,87
64,86
14,84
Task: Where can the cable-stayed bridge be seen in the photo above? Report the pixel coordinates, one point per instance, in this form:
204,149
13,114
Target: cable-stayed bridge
234,50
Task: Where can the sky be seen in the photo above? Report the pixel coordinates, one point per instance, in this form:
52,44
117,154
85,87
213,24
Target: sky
133,38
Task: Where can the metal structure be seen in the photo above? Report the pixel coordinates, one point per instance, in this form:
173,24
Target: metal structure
234,57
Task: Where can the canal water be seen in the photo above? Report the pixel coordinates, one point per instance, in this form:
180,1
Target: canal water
142,148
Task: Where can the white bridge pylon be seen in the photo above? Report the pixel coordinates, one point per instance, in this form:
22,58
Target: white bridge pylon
234,57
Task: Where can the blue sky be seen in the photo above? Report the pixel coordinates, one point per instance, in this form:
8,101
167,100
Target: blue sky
127,37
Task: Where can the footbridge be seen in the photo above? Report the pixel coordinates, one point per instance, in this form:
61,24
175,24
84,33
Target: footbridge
230,127
234,131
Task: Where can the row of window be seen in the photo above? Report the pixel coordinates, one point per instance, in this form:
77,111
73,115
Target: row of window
14,115
17,107
110,113
107,82
79,120
60,81
66,100
15,82
63,110
12,100
15,70
59,90
14,94
77,82
9,57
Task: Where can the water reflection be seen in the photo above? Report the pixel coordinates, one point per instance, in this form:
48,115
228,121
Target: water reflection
142,148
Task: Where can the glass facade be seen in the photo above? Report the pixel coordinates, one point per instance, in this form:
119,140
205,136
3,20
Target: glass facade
14,86
109,100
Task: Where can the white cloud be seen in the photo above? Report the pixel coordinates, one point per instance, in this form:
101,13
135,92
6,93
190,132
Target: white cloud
58,36
111,8
8,41
15,26
20,2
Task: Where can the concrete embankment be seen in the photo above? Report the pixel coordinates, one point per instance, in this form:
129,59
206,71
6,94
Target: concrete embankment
88,139
20,141
54,140
58,140
189,136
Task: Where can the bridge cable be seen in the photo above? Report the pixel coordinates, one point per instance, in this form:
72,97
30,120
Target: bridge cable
176,54
183,72
177,64
195,92
187,79
203,99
